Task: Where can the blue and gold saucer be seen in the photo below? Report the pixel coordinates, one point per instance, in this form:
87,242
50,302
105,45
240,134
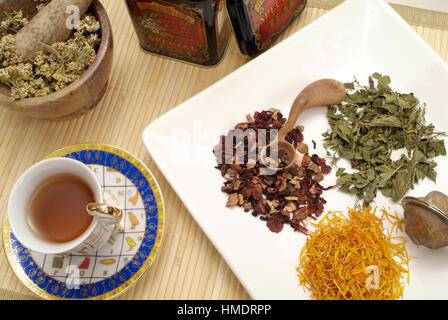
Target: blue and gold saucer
128,254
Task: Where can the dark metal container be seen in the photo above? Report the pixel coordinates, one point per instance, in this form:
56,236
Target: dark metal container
258,23
196,31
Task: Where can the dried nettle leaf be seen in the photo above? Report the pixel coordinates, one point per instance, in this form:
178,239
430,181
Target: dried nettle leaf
373,123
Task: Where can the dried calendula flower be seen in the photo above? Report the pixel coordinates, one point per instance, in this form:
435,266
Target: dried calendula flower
49,71
354,257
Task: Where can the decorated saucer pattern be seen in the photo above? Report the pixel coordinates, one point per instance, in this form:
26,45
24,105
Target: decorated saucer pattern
126,183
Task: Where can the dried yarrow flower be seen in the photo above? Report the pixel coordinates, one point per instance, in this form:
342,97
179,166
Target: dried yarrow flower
13,22
49,71
9,56
291,196
41,4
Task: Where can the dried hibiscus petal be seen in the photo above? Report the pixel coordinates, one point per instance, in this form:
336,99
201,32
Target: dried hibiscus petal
325,169
291,196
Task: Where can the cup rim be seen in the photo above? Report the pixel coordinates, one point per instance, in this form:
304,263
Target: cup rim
57,248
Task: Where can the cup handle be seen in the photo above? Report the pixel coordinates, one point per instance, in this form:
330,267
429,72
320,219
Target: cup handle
104,212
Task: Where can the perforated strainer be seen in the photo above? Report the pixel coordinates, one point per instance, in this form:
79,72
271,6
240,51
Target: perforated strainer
427,219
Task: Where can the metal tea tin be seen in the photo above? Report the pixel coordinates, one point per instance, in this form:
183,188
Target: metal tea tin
258,23
196,31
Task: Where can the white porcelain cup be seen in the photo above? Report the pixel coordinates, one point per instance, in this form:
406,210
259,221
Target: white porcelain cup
96,235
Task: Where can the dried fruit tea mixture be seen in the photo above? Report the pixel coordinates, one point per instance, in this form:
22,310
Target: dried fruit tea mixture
48,71
292,196
374,122
353,258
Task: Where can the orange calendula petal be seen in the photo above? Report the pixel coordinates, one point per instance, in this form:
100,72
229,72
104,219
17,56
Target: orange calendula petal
337,260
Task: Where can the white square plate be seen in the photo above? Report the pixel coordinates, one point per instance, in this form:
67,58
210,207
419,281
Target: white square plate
356,39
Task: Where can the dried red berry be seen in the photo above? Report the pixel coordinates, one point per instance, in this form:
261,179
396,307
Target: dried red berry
289,196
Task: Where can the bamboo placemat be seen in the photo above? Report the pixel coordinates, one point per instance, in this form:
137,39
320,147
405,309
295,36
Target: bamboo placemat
142,88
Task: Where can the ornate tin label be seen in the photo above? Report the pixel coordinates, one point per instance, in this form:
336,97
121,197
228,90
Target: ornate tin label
270,17
172,30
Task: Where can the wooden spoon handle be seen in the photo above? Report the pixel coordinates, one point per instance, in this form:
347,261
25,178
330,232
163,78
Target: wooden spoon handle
48,26
325,92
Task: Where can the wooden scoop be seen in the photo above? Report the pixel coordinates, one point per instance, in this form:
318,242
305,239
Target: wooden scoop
48,26
325,92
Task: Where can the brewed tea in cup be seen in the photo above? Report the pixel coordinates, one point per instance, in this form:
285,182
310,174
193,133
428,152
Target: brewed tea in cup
56,207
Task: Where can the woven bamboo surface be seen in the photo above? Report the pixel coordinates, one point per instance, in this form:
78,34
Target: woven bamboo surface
142,88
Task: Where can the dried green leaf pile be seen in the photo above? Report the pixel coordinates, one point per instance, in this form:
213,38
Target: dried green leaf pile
50,71
374,122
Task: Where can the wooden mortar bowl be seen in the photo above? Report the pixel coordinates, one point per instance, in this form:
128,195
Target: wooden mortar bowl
81,95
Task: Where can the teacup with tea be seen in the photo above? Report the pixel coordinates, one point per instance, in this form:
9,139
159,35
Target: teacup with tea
57,207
